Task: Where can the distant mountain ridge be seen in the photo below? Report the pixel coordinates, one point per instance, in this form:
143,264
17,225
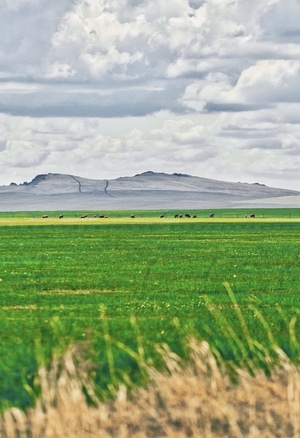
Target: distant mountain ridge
148,190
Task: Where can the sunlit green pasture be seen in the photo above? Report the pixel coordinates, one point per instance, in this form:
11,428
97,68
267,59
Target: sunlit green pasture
62,280
146,215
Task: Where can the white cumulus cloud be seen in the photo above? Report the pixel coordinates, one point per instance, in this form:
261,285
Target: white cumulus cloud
97,87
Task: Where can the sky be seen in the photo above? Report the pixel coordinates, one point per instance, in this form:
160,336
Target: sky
110,88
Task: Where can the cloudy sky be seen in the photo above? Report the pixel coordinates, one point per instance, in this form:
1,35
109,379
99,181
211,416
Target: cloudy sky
109,88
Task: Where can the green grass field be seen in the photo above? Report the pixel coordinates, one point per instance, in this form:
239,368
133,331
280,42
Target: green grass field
73,280
275,213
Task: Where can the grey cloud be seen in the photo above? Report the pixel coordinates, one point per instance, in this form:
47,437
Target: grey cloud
186,154
289,114
23,154
196,4
280,175
268,143
134,3
231,107
293,150
280,22
191,140
25,35
74,103
139,51
249,132
225,72
2,145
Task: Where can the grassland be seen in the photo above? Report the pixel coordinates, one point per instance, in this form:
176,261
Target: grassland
221,214
74,280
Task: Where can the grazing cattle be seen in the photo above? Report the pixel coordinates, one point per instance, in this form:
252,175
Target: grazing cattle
212,215
180,215
252,215
45,216
60,216
102,216
194,216
83,216
176,216
132,216
161,216
187,215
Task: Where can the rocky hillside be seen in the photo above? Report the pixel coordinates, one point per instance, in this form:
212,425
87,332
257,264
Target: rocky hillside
148,190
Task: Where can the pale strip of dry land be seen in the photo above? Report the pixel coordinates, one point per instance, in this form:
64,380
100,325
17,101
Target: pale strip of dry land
92,221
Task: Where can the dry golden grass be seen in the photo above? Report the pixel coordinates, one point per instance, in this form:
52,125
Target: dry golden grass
195,399
18,221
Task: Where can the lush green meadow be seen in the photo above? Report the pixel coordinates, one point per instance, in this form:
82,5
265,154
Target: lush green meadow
139,282
231,213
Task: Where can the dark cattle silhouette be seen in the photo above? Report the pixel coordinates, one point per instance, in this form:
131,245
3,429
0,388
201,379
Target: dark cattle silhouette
60,216
45,216
176,216
194,216
187,215
132,216
212,215
161,216
83,216
180,215
102,216
252,215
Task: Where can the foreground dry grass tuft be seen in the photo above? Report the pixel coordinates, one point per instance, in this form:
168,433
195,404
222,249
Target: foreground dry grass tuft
196,400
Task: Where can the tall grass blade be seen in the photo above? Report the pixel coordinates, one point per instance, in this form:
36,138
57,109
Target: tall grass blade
108,346
236,344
